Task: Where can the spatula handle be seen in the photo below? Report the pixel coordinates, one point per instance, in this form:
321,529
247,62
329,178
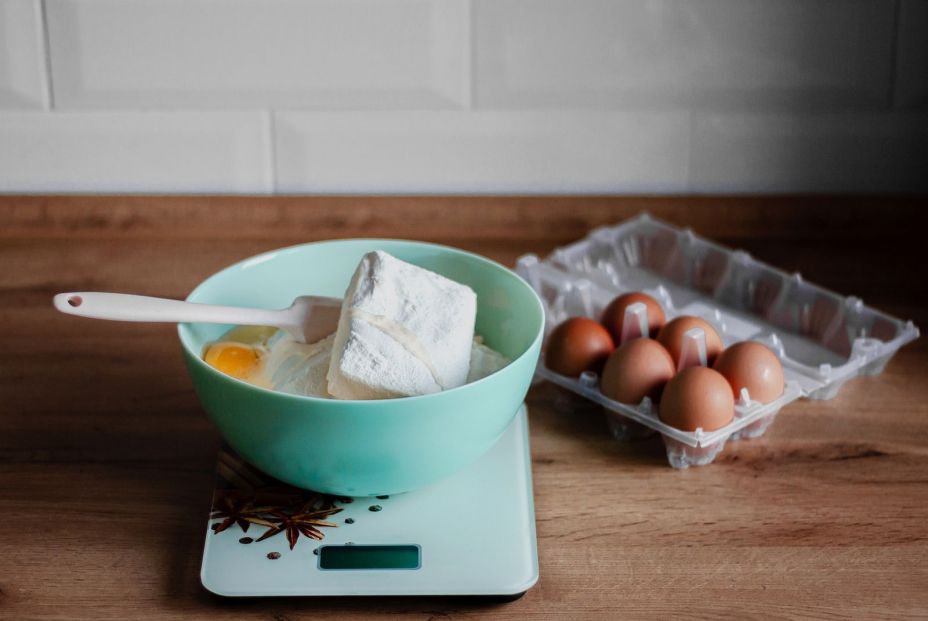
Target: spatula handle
126,307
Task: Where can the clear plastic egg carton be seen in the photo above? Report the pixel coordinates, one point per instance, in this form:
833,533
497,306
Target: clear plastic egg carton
821,338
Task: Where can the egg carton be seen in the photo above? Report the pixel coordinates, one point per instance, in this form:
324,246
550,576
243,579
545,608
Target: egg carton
821,338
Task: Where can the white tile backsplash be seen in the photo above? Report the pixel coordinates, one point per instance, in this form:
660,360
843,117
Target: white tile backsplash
459,96
134,152
714,53
246,53
912,55
829,152
499,152
22,55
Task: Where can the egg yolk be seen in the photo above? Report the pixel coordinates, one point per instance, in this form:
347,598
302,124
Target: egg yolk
232,359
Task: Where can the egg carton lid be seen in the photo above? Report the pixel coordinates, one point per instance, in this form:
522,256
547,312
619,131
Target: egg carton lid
822,339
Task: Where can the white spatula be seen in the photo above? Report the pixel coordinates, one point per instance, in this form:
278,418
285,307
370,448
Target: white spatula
308,319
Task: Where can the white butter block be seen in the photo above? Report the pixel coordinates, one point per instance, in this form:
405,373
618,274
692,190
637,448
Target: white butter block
298,368
403,331
484,361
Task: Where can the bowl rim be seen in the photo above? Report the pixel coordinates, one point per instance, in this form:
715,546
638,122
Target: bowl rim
183,329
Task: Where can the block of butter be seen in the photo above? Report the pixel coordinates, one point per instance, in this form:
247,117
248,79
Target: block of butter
403,331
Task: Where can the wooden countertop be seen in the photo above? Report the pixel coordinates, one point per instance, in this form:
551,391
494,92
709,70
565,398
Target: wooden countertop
106,459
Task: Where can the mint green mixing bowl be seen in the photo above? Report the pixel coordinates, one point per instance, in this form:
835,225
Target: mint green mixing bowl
365,448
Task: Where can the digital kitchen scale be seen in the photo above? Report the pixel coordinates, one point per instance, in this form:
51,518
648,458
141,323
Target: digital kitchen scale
470,534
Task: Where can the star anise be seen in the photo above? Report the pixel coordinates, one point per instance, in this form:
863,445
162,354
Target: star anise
236,511
295,524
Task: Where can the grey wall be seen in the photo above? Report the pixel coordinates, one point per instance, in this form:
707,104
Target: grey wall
418,96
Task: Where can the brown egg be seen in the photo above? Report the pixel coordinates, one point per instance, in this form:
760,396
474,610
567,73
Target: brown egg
614,315
637,369
751,365
697,397
671,337
577,345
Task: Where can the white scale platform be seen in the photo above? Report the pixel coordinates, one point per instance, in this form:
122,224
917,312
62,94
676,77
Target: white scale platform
470,534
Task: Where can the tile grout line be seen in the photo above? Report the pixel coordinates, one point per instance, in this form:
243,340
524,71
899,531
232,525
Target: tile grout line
271,126
471,60
47,55
894,54
688,160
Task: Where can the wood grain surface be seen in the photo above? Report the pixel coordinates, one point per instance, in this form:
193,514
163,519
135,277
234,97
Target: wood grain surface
106,459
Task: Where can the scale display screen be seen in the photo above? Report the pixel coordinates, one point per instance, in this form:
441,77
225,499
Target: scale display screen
370,557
